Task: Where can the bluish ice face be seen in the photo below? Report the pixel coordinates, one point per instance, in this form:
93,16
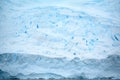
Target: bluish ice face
86,29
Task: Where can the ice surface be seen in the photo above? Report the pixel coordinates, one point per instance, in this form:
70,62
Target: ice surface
60,29
35,66
65,32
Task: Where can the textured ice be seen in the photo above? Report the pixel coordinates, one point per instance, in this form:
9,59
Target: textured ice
35,66
78,33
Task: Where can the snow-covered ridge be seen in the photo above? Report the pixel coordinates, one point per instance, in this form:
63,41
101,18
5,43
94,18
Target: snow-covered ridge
59,32
26,64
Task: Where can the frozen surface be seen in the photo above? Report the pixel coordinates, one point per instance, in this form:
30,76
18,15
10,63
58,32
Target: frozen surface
86,29
64,29
35,66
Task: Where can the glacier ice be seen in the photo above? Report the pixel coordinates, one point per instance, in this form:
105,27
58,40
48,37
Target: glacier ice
62,37
45,67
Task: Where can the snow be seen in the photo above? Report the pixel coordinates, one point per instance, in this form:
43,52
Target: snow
87,29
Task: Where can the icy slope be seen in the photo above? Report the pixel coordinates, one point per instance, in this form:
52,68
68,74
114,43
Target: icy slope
65,37
88,30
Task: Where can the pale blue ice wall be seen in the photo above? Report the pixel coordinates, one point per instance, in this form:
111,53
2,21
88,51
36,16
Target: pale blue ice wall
36,66
64,28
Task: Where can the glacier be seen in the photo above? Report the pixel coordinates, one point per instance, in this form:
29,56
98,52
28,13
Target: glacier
57,39
36,66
